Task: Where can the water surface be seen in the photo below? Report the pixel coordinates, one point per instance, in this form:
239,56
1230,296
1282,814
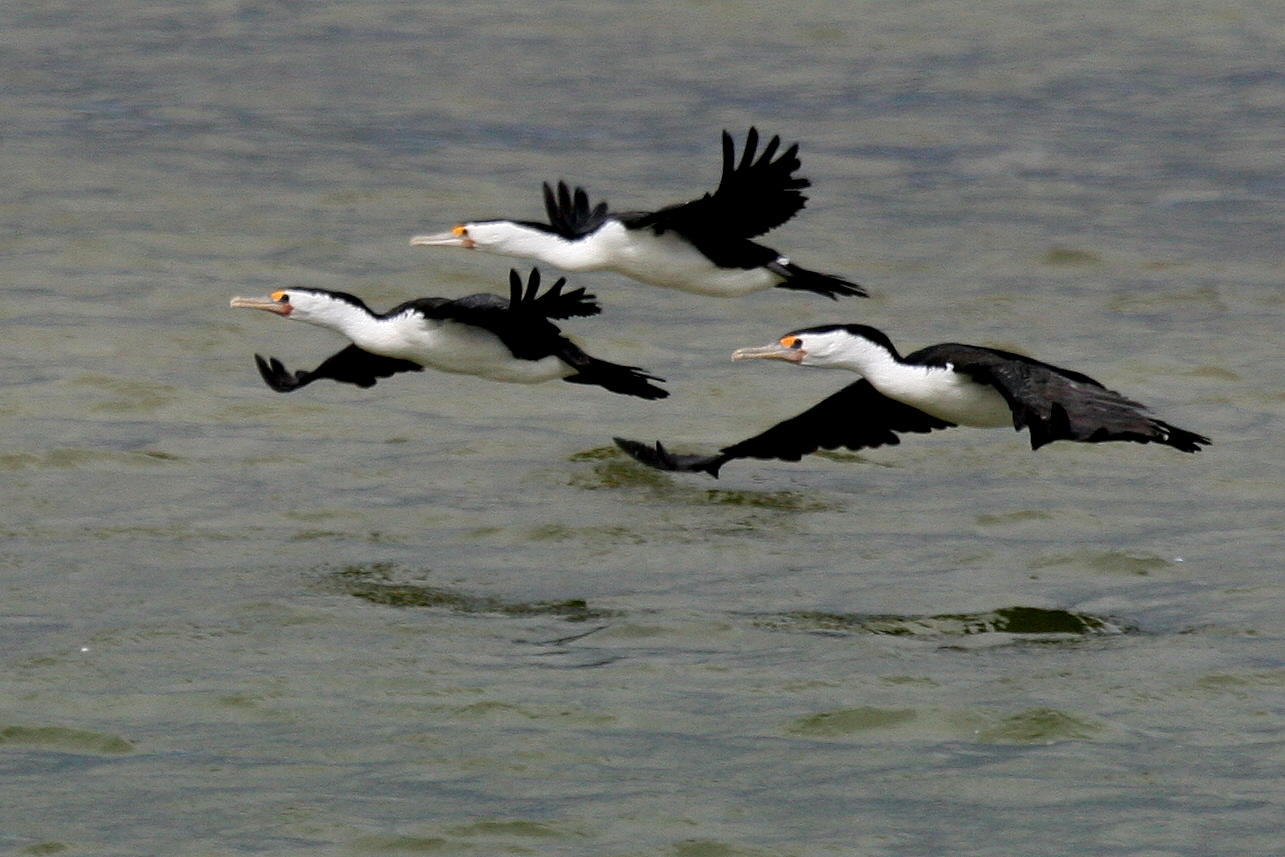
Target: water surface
444,616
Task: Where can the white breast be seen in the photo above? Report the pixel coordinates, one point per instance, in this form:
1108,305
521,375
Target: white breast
947,395
664,260
669,261
449,346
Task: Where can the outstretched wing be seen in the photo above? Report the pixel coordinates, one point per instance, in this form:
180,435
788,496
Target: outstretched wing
569,212
524,306
1059,404
755,195
352,365
554,303
856,417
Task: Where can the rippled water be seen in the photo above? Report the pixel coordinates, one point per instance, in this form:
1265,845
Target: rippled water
445,616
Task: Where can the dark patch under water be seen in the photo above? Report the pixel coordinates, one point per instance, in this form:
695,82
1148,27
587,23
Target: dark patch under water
394,586
375,584
1006,620
65,740
614,470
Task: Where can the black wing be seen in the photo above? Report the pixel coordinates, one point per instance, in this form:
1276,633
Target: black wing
662,459
352,365
754,196
856,417
521,321
554,303
1059,404
569,213
492,311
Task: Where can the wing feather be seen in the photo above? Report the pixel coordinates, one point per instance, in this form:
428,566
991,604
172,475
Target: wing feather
352,365
1053,403
856,417
753,196
569,212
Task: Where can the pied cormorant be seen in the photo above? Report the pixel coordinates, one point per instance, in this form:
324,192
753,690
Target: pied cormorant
485,335
702,246
937,387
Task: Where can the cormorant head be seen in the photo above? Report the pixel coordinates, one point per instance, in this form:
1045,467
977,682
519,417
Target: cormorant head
832,346
315,306
460,236
507,237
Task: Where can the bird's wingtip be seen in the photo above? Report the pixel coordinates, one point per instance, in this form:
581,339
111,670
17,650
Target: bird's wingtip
659,458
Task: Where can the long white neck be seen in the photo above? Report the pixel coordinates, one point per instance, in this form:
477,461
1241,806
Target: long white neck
352,321
871,360
936,390
526,242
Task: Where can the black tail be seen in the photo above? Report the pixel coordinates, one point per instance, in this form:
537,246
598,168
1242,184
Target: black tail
662,459
810,281
1112,418
626,380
